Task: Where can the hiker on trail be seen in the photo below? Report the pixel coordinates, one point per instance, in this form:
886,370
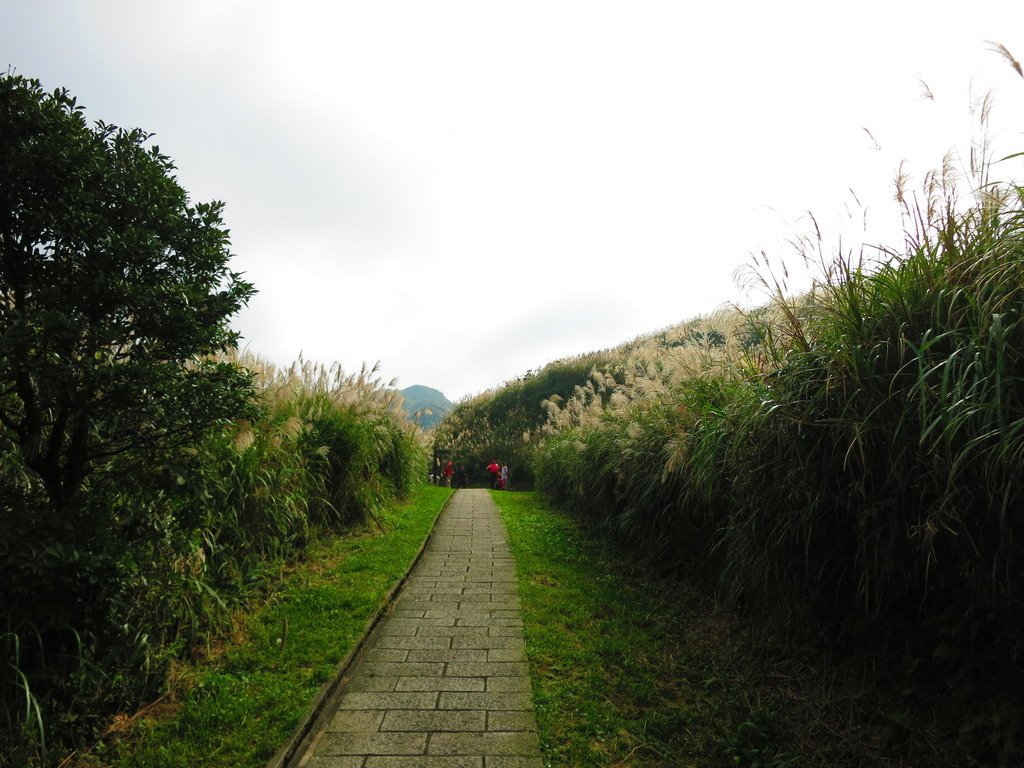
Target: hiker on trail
461,477
495,469
504,477
449,470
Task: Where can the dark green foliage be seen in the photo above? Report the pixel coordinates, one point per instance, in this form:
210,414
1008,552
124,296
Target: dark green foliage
112,283
359,462
114,290
753,743
860,474
147,484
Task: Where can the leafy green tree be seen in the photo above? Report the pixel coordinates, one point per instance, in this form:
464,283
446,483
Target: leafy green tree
115,300
114,293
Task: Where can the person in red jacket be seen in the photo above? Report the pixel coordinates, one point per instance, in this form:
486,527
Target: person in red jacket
449,470
495,469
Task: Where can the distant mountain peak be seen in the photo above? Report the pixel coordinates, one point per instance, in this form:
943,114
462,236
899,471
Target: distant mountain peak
429,403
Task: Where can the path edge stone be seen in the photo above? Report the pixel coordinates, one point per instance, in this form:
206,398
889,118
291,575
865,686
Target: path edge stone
311,723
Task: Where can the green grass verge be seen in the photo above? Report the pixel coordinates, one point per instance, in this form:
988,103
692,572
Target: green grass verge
627,669
238,708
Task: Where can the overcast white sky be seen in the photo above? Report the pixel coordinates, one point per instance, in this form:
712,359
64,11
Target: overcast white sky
467,190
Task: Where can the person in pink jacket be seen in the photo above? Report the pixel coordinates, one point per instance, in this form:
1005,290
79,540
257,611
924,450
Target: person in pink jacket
495,469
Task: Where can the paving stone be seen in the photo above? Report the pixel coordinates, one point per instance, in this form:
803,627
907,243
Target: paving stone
395,627
458,654
504,600
417,643
434,720
407,613
496,700
399,622
511,721
458,597
508,684
334,743
430,588
418,604
402,669
487,642
387,654
455,611
477,630
366,683
392,700
337,761
488,621
511,613
426,761
356,720
487,669
442,683
420,622
490,743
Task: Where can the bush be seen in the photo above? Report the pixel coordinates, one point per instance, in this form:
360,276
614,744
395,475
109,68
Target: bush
859,469
195,537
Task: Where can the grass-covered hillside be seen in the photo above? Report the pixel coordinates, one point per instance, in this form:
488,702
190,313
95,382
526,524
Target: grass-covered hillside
507,422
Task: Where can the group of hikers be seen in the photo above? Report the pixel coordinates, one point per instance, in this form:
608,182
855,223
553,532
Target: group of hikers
499,475
459,477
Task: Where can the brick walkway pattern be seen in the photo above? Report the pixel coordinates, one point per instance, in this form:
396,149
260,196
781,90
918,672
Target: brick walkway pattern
443,682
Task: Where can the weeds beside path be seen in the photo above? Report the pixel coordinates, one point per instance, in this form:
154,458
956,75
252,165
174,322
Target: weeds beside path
237,708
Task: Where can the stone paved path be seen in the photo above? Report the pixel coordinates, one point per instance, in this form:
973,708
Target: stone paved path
444,682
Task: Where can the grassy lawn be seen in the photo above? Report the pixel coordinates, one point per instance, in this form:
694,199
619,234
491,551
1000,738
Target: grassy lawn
239,707
627,670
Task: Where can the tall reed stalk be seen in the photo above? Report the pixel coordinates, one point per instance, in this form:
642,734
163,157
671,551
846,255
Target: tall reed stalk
860,468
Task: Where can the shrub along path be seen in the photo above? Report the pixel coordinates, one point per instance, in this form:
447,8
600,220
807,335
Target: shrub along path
443,682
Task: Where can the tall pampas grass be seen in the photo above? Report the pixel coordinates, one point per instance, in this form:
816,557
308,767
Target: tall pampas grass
848,459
